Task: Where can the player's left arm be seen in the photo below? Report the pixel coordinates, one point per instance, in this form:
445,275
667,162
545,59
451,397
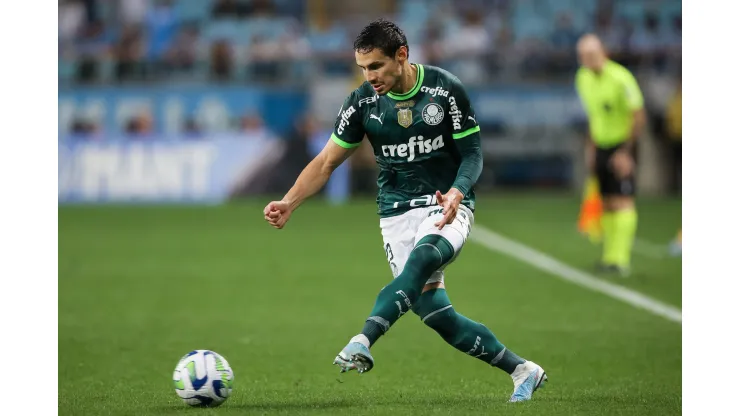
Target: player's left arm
636,105
466,135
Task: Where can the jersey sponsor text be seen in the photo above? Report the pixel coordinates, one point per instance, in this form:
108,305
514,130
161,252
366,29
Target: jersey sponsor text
416,145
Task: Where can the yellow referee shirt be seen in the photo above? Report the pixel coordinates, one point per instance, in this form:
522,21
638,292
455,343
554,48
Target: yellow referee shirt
609,98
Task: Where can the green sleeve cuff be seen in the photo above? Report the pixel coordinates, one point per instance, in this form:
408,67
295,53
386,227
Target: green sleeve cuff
466,133
342,143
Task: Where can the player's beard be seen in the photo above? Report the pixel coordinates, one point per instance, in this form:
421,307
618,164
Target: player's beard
395,84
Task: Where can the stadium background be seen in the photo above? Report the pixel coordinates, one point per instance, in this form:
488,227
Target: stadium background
193,102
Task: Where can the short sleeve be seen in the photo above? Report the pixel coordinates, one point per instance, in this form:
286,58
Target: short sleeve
632,91
461,111
348,130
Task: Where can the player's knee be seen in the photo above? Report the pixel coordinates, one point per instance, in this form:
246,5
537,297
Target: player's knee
432,250
619,202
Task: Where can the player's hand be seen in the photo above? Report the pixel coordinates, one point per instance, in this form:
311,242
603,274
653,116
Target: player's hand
622,163
449,202
277,213
591,162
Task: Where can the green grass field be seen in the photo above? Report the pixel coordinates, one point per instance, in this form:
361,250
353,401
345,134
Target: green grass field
141,286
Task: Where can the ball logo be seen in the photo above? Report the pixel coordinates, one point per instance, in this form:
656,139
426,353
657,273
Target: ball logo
432,114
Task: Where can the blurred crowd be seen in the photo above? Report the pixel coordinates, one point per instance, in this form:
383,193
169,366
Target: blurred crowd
289,41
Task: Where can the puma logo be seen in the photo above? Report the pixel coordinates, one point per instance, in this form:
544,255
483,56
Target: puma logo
373,116
475,348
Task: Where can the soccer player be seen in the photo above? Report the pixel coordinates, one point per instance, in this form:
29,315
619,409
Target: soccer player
426,141
614,105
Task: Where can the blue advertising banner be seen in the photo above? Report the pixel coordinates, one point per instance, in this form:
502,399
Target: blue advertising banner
161,171
214,108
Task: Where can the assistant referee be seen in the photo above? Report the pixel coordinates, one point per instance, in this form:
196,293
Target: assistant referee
616,116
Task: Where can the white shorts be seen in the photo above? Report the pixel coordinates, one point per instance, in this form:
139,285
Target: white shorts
402,232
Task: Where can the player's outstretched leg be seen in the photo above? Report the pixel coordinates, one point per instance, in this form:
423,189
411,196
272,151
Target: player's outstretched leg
473,338
430,253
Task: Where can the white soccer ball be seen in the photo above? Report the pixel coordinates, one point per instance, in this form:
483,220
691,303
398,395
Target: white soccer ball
203,378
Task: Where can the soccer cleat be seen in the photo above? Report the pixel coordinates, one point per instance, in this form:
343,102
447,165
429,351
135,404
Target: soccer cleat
355,356
612,269
528,377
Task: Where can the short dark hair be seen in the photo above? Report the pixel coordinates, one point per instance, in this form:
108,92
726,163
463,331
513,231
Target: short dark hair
381,34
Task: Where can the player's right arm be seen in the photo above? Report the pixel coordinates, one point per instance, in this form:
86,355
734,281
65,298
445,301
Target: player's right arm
346,137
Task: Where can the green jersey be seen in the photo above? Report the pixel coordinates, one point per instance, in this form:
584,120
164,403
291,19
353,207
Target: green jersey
424,141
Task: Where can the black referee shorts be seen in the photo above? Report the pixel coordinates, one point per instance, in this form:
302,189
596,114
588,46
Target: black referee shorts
609,183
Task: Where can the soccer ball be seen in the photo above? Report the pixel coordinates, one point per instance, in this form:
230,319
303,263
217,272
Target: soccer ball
203,378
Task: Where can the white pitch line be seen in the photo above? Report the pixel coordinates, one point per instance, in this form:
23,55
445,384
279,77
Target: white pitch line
497,242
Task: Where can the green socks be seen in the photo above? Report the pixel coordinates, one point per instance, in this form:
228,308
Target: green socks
430,253
619,235
473,338
434,308
607,227
625,226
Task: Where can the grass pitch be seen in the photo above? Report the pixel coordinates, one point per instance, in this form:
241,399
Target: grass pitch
141,286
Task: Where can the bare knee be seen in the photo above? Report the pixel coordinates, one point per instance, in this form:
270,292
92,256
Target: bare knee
432,286
619,202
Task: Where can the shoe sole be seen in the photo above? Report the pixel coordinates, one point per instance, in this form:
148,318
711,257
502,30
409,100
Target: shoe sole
357,362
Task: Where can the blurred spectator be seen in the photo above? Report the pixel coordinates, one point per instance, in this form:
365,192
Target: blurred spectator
271,58
565,36
191,129
229,9
264,56
646,38
611,33
132,12
141,126
294,42
130,54
329,41
92,44
183,51
71,19
674,37
262,8
222,60
471,40
161,28
563,40
252,125
84,129
431,50
467,45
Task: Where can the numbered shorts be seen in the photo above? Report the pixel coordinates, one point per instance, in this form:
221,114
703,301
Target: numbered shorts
402,232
